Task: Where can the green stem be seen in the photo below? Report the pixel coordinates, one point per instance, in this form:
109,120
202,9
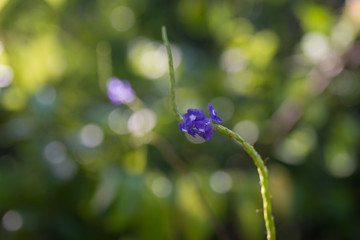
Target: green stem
172,75
263,175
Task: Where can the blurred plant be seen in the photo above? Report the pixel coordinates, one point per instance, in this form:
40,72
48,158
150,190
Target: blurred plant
195,122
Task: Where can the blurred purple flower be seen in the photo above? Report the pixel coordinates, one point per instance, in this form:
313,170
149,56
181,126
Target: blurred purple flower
119,91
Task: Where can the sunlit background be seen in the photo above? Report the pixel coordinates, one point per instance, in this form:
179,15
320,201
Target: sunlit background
79,162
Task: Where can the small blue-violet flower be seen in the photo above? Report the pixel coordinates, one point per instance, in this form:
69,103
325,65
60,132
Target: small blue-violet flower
204,130
119,91
183,127
194,115
195,122
213,114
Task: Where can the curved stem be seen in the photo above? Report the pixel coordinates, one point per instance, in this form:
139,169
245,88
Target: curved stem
262,170
263,175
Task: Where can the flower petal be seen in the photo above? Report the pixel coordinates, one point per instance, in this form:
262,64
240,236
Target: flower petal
213,113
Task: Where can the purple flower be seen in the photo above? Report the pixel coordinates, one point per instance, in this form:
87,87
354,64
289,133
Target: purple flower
119,91
195,122
194,115
183,127
213,113
204,130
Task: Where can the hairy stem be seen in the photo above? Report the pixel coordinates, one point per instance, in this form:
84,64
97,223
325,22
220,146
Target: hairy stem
263,175
172,75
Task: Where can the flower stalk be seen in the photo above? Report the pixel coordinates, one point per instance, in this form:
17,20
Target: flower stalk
259,163
263,175
171,74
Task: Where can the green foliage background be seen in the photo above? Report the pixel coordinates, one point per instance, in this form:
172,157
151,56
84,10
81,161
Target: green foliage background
284,74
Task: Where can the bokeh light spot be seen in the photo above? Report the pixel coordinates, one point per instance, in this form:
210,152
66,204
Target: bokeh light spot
343,33
6,75
233,60
262,47
241,83
117,121
55,152
224,107
46,96
294,149
149,59
248,130
122,18
13,99
154,62
161,187
141,122
220,182
64,170
341,165
315,46
12,220
91,135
